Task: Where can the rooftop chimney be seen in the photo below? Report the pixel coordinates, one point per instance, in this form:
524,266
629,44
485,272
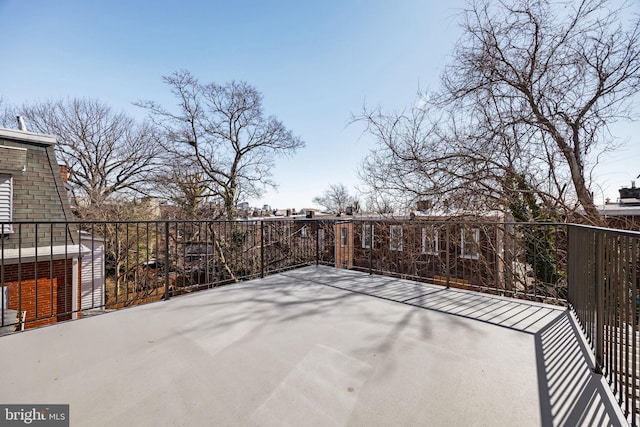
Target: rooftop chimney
424,205
64,173
21,125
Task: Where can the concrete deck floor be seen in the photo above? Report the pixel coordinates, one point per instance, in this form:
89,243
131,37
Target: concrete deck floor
313,347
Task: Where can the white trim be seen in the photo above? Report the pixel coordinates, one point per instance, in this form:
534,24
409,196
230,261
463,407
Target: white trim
44,253
476,240
367,243
435,232
395,241
13,148
25,136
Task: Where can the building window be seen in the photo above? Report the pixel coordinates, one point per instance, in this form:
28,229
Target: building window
430,241
470,243
321,238
343,236
286,238
395,238
268,236
6,204
367,236
303,232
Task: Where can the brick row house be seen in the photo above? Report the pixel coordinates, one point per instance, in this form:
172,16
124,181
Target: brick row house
40,251
466,253
428,248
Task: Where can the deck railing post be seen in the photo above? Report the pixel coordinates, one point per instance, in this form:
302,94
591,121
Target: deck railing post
262,248
448,256
599,301
166,260
370,248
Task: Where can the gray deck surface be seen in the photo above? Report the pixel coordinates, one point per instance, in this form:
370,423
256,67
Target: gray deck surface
315,346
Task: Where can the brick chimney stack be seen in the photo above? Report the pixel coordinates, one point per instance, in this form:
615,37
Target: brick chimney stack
64,173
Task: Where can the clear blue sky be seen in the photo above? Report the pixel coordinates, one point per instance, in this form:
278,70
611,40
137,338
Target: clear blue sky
316,62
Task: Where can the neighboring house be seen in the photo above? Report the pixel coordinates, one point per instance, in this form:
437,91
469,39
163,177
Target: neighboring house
625,213
40,252
418,247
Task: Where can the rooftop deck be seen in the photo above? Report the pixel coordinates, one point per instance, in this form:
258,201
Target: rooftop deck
315,346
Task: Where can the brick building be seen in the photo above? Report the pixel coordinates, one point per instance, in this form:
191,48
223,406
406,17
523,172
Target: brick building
39,273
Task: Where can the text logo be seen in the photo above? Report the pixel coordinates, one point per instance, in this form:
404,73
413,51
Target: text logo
34,415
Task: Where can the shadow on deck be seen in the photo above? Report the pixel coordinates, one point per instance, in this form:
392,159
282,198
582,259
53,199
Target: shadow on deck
312,347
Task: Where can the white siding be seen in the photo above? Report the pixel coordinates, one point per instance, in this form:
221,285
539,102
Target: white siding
93,276
6,202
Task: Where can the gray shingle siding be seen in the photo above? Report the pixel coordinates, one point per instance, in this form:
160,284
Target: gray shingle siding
39,195
12,159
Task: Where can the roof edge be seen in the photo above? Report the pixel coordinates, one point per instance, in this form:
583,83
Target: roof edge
24,136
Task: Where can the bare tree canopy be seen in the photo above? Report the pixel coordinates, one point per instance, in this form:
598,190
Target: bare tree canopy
185,186
106,152
526,104
337,198
223,131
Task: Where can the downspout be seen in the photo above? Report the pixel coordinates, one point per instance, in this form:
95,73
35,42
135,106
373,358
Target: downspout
74,288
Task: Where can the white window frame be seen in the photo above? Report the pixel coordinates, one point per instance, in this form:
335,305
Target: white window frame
395,237
475,243
367,236
6,204
286,233
430,246
344,237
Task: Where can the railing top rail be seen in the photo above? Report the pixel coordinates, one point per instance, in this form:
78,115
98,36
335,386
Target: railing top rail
460,221
178,221
635,234
617,231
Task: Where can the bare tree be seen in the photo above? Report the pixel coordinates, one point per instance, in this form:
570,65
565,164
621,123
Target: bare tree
562,70
7,119
222,129
336,198
427,154
525,107
106,152
185,186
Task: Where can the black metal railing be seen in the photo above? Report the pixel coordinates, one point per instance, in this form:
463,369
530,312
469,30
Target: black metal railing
521,260
124,263
604,283
60,271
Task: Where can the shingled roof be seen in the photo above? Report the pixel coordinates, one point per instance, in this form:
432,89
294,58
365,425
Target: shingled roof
39,194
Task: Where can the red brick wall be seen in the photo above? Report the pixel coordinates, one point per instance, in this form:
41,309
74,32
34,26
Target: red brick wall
344,254
54,291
